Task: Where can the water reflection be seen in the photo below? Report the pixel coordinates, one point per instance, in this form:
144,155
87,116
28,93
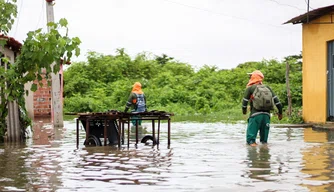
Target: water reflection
128,167
203,157
12,165
259,162
44,132
318,160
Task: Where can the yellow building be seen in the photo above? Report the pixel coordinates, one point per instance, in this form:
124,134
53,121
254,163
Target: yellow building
318,64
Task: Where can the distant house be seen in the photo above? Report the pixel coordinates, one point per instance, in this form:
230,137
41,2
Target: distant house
318,64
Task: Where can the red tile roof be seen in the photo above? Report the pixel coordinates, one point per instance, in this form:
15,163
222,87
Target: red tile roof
12,43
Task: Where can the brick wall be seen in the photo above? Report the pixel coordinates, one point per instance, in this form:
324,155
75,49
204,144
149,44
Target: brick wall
42,100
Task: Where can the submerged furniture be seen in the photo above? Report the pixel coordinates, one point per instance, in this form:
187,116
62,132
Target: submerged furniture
110,126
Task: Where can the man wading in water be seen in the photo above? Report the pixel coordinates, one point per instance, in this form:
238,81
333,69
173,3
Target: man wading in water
262,99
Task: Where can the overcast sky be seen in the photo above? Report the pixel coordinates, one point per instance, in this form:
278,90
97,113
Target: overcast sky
222,33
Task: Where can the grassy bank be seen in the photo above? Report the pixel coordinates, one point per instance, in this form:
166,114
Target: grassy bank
233,115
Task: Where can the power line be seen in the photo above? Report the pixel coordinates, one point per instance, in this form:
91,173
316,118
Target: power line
287,5
18,18
41,13
225,15
206,10
308,4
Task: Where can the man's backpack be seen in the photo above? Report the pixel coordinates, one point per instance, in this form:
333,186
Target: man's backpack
262,98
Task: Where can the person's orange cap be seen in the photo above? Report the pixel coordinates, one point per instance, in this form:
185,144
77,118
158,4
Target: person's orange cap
257,72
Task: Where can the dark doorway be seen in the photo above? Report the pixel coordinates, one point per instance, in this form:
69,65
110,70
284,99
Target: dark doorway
330,78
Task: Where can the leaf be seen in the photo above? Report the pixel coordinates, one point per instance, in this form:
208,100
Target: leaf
39,77
38,30
3,42
62,42
51,24
9,26
63,22
40,56
56,68
10,98
76,40
5,59
33,87
69,55
77,51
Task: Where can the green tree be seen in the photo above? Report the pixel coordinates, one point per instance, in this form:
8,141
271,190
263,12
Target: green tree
173,86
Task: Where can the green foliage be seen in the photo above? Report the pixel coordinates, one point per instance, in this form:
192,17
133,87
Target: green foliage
8,13
40,50
40,55
296,116
296,87
105,81
163,59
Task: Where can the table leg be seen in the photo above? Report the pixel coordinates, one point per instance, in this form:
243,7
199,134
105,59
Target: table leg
105,132
153,131
77,133
168,131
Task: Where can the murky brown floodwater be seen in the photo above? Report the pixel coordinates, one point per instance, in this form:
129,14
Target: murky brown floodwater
202,157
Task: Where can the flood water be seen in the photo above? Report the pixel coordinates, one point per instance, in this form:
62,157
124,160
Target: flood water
208,157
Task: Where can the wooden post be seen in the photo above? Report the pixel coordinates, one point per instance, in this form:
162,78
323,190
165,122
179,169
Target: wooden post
56,96
288,89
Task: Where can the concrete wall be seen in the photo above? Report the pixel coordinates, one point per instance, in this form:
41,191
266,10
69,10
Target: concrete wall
29,100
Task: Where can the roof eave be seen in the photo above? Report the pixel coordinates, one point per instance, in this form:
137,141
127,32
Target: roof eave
311,15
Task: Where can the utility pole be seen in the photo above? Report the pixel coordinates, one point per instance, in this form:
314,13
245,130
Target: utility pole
308,9
56,92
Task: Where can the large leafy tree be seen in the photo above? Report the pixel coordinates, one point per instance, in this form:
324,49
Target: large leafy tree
40,55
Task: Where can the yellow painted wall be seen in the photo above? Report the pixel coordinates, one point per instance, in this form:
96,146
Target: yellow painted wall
315,38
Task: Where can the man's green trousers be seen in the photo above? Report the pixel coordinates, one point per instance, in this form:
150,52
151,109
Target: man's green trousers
258,122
